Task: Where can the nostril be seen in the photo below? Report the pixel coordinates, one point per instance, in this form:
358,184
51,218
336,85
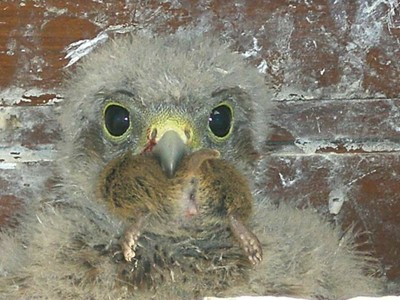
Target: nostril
153,134
188,133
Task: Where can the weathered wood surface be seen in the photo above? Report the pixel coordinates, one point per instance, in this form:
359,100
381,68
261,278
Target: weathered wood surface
335,66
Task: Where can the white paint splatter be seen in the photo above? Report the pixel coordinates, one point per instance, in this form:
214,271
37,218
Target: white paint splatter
262,67
8,166
337,197
15,95
253,51
12,157
309,146
361,177
287,182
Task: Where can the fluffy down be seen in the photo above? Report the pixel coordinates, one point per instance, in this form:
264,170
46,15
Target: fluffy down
67,243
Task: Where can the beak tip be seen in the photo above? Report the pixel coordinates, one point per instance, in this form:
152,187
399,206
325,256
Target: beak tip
169,170
169,150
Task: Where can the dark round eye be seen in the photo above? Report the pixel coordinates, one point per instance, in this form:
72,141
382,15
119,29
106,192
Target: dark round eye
220,120
116,119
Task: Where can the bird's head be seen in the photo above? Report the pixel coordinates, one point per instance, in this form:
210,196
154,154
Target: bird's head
166,97
167,132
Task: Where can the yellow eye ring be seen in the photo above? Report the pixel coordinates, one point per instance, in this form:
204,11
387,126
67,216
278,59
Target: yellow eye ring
116,121
220,121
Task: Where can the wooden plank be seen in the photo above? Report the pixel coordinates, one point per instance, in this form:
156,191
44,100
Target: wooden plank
345,125
335,119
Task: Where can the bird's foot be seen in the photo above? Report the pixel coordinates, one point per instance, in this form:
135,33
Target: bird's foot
129,242
247,239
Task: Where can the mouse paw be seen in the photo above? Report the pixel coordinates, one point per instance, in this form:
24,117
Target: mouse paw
247,240
252,247
129,243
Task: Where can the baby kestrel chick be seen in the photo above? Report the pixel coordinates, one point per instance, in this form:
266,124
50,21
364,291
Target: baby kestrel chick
157,195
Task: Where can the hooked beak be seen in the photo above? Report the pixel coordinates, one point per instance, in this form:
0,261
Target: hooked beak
169,151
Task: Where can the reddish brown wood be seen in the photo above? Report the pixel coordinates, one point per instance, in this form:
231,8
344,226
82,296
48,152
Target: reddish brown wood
9,207
360,121
335,66
8,27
